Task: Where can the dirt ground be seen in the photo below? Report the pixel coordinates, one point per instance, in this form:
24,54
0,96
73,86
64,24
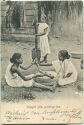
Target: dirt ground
56,44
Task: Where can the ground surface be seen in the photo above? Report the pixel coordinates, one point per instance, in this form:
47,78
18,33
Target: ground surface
56,44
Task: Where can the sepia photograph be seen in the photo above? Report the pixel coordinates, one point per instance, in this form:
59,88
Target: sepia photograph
42,61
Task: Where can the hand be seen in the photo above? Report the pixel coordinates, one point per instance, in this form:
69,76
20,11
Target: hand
52,77
68,75
49,75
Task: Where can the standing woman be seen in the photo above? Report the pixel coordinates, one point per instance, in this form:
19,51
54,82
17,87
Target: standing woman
43,31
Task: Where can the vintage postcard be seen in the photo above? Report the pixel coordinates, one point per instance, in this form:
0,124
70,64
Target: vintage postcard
42,62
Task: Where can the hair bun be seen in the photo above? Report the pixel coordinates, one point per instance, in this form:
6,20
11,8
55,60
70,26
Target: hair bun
68,56
15,57
11,60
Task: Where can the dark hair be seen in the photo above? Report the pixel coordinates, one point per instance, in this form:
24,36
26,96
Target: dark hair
64,54
14,57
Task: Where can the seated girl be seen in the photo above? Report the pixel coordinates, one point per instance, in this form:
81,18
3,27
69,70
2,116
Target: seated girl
15,78
64,70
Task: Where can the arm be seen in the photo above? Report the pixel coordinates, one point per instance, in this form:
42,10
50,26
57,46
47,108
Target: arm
25,68
38,75
68,75
15,70
41,34
71,71
45,64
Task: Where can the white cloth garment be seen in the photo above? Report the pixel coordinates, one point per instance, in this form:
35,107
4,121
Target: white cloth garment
62,69
44,45
14,80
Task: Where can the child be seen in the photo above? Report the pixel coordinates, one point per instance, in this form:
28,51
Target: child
64,71
15,78
43,30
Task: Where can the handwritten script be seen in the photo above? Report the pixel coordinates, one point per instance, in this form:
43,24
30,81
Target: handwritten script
44,113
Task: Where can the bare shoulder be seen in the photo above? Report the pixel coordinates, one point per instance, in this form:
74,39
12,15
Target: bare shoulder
14,69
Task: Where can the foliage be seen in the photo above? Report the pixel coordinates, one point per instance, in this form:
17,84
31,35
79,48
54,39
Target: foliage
13,14
63,6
